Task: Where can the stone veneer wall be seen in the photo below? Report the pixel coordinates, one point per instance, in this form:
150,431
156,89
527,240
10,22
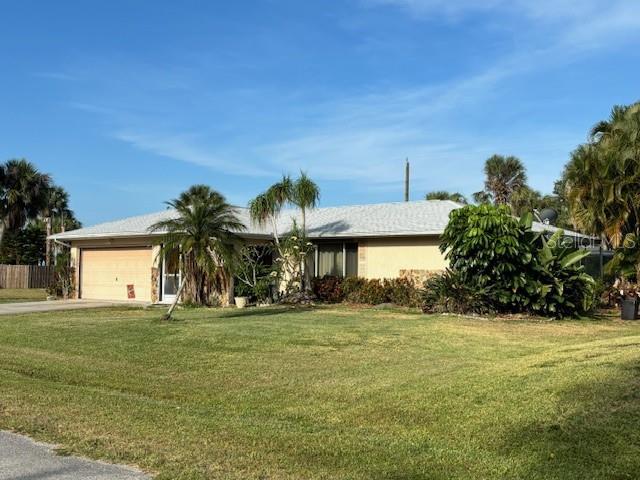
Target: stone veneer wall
155,275
74,255
417,276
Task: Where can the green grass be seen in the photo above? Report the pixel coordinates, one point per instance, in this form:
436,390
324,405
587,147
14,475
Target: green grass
328,393
15,295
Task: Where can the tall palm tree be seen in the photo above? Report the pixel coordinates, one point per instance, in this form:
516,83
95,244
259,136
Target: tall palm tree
602,179
204,232
444,195
503,176
57,205
305,194
24,193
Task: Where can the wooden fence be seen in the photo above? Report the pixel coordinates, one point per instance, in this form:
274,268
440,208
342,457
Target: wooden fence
25,276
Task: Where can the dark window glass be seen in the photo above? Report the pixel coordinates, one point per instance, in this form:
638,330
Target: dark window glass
330,259
171,272
351,249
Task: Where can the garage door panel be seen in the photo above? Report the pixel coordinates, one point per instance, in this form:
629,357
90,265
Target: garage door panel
106,272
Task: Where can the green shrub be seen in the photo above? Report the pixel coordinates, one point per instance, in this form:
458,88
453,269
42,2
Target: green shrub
403,292
486,246
400,291
562,288
328,289
448,292
372,292
62,285
241,289
503,261
262,289
351,287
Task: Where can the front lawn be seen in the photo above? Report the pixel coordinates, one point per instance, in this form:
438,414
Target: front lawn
15,295
327,393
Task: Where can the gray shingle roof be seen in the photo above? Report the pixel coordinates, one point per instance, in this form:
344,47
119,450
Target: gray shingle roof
424,217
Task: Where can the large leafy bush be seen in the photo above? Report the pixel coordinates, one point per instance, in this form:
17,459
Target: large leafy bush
562,288
515,269
487,246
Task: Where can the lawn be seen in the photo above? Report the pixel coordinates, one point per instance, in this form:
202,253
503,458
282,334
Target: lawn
15,295
328,393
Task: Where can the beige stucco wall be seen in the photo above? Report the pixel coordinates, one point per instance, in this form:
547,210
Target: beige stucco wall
387,258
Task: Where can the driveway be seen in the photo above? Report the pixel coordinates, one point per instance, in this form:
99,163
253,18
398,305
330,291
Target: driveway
23,459
49,306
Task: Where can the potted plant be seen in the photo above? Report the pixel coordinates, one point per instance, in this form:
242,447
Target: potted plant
242,292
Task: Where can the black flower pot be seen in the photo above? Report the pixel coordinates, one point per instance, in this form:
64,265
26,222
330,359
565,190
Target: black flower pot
630,308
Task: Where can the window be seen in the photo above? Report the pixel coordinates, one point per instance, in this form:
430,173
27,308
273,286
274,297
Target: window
351,262
338,259
330,259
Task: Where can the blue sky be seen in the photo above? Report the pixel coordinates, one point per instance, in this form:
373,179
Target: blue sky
127,103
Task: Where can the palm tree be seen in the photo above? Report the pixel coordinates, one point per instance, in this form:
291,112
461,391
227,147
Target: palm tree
602,178
305,194
57,204
444,195
482,197
266,207
24,193
203,231
525,200
503,176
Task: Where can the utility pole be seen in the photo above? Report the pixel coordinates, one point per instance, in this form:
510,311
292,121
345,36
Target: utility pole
406,181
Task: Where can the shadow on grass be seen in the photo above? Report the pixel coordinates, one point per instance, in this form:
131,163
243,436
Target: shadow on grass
264,311
596,434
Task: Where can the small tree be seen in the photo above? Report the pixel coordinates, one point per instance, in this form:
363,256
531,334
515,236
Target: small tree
62,277
265,209
253,269
294,250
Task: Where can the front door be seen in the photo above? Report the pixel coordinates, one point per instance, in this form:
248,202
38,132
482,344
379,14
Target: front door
170,275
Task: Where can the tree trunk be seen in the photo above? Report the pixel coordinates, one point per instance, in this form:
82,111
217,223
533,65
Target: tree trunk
303,284
47,253
167,316
275,232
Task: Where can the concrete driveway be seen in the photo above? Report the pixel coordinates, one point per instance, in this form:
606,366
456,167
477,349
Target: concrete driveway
53,305
23,459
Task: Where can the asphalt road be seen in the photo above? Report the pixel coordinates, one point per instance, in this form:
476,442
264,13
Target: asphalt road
23,459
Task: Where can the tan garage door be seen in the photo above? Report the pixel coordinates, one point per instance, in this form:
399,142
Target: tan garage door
105,273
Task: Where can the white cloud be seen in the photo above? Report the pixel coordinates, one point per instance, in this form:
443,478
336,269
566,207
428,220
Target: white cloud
547,10
183,148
